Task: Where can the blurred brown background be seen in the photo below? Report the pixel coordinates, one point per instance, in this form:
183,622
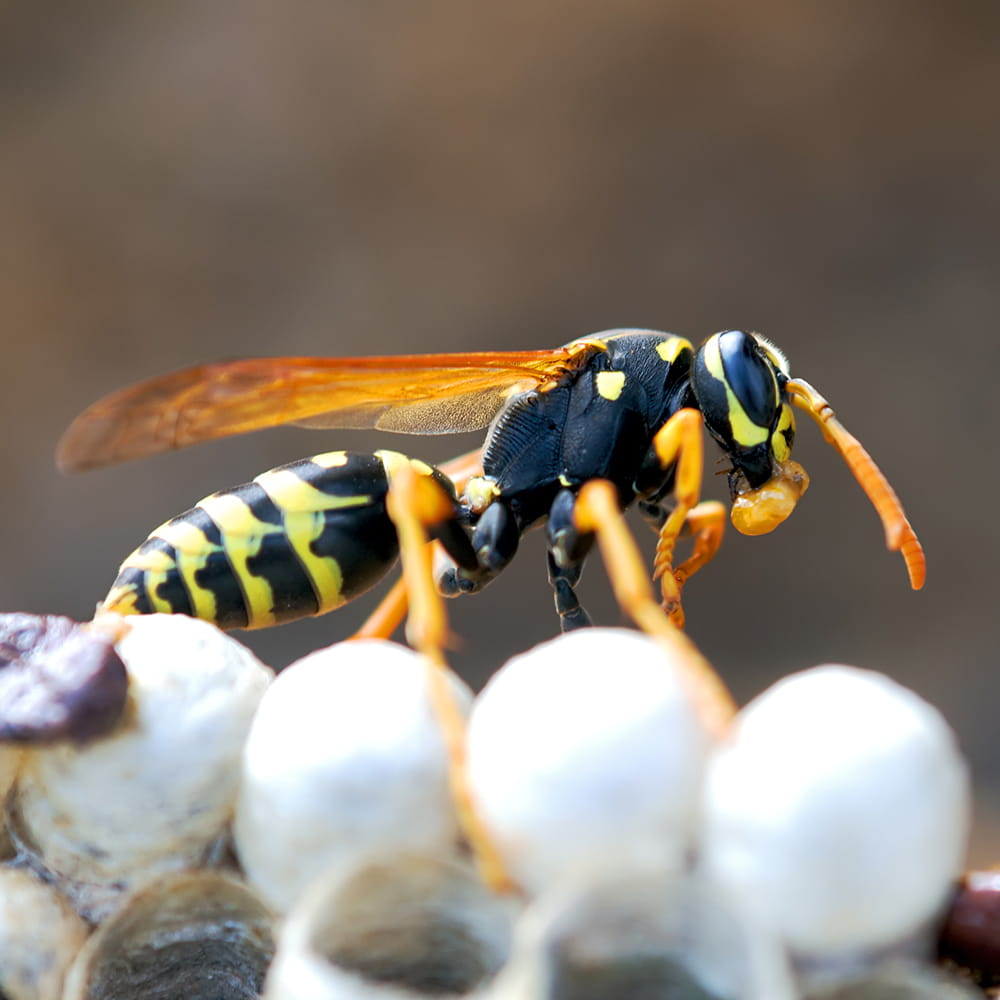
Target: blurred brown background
185,182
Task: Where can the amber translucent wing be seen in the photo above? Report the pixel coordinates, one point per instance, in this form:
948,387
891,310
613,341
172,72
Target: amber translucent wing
415,394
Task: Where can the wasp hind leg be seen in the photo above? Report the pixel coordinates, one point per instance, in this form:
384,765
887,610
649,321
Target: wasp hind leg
391,610
388,616
419,507
705,524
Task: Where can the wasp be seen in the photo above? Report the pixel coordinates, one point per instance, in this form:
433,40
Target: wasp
625,406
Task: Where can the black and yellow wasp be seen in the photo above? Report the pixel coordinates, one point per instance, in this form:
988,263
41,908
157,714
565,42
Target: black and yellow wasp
625,406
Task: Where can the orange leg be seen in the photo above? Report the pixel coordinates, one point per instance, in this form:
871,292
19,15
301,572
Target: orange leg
679,441
460,470
707,524
388,616
415,502
597,511
391,611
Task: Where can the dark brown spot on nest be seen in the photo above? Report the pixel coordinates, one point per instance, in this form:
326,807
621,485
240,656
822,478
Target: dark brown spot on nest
58,680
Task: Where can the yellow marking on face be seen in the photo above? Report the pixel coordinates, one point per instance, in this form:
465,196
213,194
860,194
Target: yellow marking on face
745,431
610,384
564,480
670,349
786,427
242,536
187,541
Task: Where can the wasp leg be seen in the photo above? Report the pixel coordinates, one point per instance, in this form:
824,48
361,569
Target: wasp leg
705,523
460,470
391,610
567,549
678,441
416,504
388,616
597,511
564,580
495,539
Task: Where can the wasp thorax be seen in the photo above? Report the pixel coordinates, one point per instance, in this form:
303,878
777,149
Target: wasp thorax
194,935
402,926
346,758
157,793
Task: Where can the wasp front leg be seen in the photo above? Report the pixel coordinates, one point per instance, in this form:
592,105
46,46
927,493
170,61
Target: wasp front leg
705,524
678,445
420,508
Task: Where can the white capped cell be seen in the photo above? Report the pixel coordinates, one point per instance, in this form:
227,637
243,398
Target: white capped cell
345,759
838,813
587,750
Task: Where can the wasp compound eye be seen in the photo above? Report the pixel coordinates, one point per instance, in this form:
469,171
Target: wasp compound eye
737,392
750,376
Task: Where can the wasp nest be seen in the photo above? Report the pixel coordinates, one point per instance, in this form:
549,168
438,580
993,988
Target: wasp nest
156,793
808,852
344,760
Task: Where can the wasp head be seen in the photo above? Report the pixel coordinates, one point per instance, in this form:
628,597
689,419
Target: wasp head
738,380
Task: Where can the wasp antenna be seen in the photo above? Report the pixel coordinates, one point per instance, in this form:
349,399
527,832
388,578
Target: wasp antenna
899,534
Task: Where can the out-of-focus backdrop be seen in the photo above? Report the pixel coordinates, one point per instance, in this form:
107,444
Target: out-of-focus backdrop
186,182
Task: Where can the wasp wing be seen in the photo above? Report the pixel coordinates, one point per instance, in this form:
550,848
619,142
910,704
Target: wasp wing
416,394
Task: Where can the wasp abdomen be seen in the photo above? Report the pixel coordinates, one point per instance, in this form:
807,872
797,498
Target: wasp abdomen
299,540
